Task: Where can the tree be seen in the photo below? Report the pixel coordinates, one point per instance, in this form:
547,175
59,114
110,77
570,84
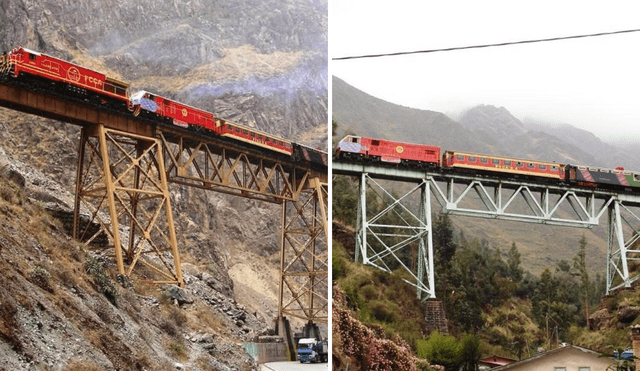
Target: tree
345,200
443,242
580,266
470,353
513,263
549,305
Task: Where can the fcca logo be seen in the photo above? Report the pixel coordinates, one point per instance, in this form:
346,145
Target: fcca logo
73,74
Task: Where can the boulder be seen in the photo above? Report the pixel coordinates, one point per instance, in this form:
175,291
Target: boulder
600,319
178,294
628,314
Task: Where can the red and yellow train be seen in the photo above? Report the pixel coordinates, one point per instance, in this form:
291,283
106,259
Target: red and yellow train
58,76
377,150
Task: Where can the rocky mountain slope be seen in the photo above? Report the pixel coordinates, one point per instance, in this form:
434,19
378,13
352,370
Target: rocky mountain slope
492,130
259,63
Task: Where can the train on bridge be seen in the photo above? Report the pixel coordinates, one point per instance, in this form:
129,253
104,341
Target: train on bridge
43,72
426,156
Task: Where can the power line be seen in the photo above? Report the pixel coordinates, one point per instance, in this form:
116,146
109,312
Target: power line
484,46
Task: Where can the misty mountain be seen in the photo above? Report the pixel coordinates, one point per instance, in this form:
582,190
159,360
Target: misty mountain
483,129
605,154
360,113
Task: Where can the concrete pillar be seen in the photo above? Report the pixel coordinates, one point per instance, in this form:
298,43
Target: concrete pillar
435,316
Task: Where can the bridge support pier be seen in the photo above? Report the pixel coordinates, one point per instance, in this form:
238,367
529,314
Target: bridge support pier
304,257
620,251
396,234
121,182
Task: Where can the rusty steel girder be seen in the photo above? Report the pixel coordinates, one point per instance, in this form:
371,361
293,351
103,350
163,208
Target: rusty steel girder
215,166
304,255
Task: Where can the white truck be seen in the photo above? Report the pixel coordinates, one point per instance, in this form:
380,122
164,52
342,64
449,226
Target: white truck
312,350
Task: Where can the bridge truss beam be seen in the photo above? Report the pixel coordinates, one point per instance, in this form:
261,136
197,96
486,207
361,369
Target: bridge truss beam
203,164
402,221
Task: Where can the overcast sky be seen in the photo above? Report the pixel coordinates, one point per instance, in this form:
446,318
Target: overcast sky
591,83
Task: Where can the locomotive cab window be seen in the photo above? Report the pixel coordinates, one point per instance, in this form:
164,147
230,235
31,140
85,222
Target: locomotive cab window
375,142
32,57
229,127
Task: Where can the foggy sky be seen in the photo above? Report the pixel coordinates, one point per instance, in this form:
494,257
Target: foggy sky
591,83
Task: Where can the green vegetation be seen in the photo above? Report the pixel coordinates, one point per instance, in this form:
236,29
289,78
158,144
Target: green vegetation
379,298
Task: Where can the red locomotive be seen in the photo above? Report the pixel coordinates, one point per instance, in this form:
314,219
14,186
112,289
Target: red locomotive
46,72
24,61
388,151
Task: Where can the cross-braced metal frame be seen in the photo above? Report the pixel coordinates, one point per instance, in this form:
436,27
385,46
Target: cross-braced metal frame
202,164
395,226
304,255
121,182
380,240
622,218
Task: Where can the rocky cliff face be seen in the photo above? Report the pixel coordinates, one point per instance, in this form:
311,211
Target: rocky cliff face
258,63
261,63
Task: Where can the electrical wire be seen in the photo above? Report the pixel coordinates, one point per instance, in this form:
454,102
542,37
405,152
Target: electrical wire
485,45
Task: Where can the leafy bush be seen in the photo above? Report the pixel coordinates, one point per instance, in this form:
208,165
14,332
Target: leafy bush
101,280
384,310
440,350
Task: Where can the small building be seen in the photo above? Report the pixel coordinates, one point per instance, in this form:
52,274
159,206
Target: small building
564,358
494,361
